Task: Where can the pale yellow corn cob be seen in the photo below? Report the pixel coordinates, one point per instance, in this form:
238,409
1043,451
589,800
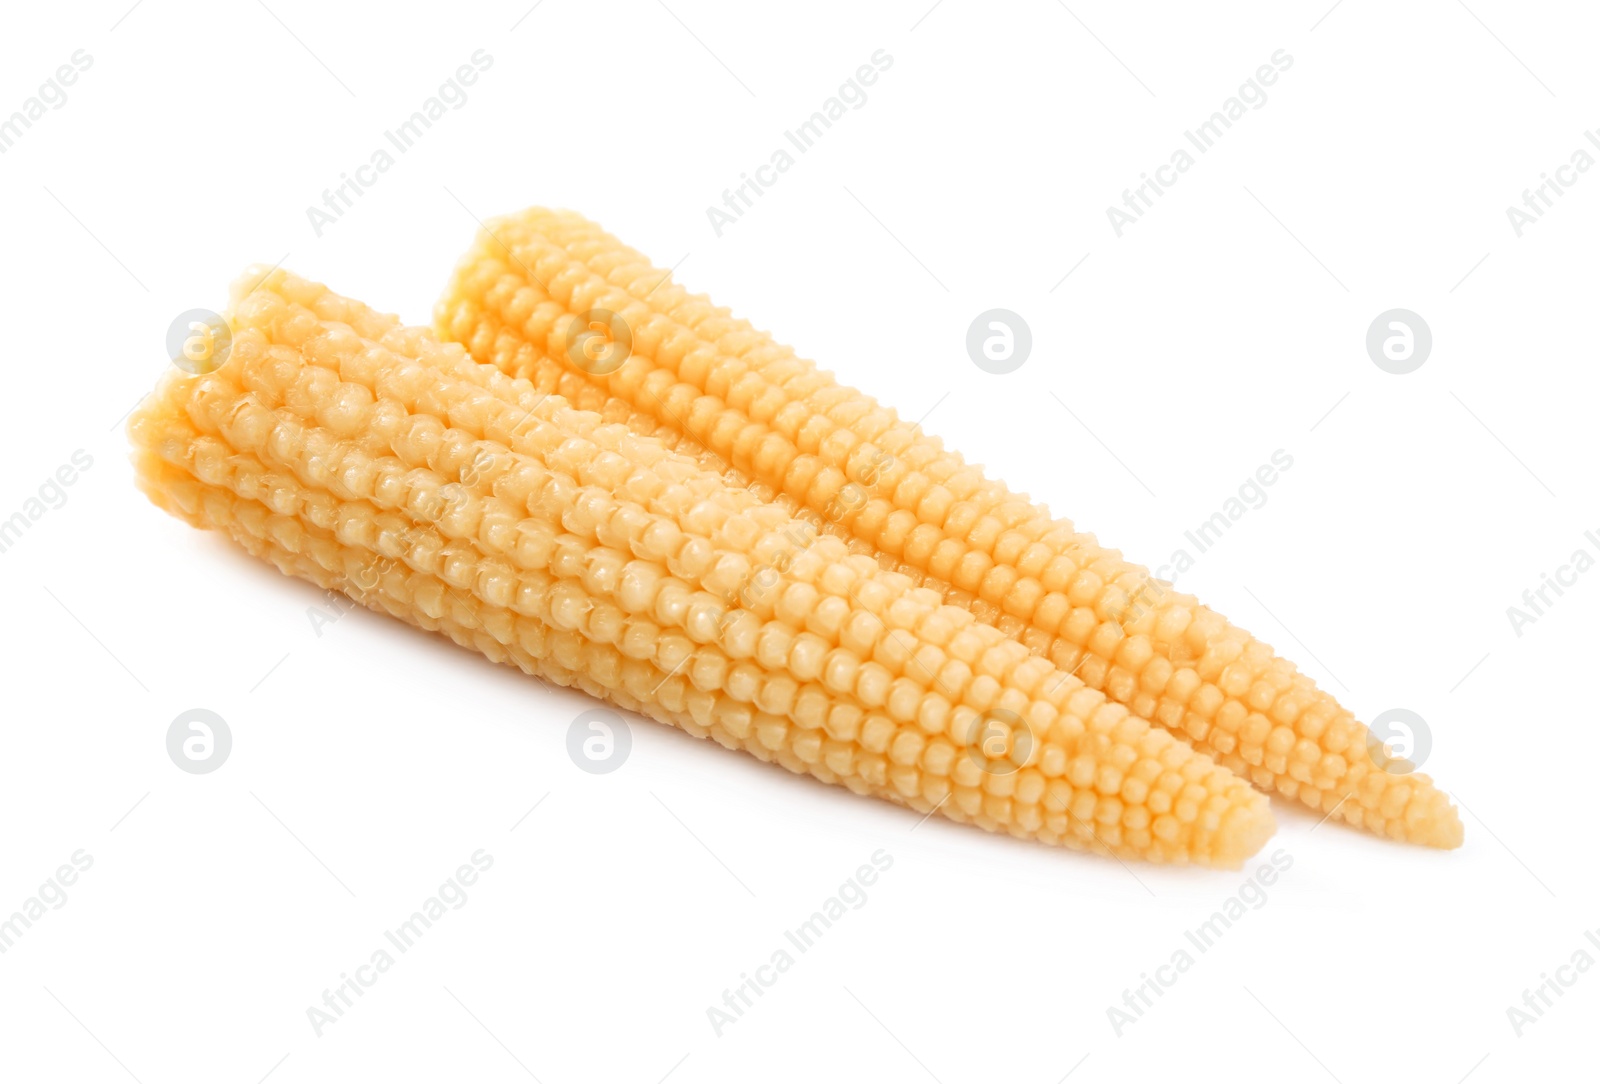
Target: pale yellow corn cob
726,393
369,458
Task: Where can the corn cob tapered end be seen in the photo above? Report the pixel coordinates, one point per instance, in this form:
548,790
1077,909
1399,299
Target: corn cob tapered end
1431,820
1244,832
1445,832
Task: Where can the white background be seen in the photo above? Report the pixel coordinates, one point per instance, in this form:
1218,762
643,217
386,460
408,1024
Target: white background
371,760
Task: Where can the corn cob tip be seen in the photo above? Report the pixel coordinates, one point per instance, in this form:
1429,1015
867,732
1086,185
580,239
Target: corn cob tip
1244,831
1437,825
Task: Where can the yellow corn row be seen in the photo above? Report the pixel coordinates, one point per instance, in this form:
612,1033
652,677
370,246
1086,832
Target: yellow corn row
369,458
724,393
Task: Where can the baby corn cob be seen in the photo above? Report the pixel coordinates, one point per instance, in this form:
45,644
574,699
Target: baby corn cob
718,390
369,458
